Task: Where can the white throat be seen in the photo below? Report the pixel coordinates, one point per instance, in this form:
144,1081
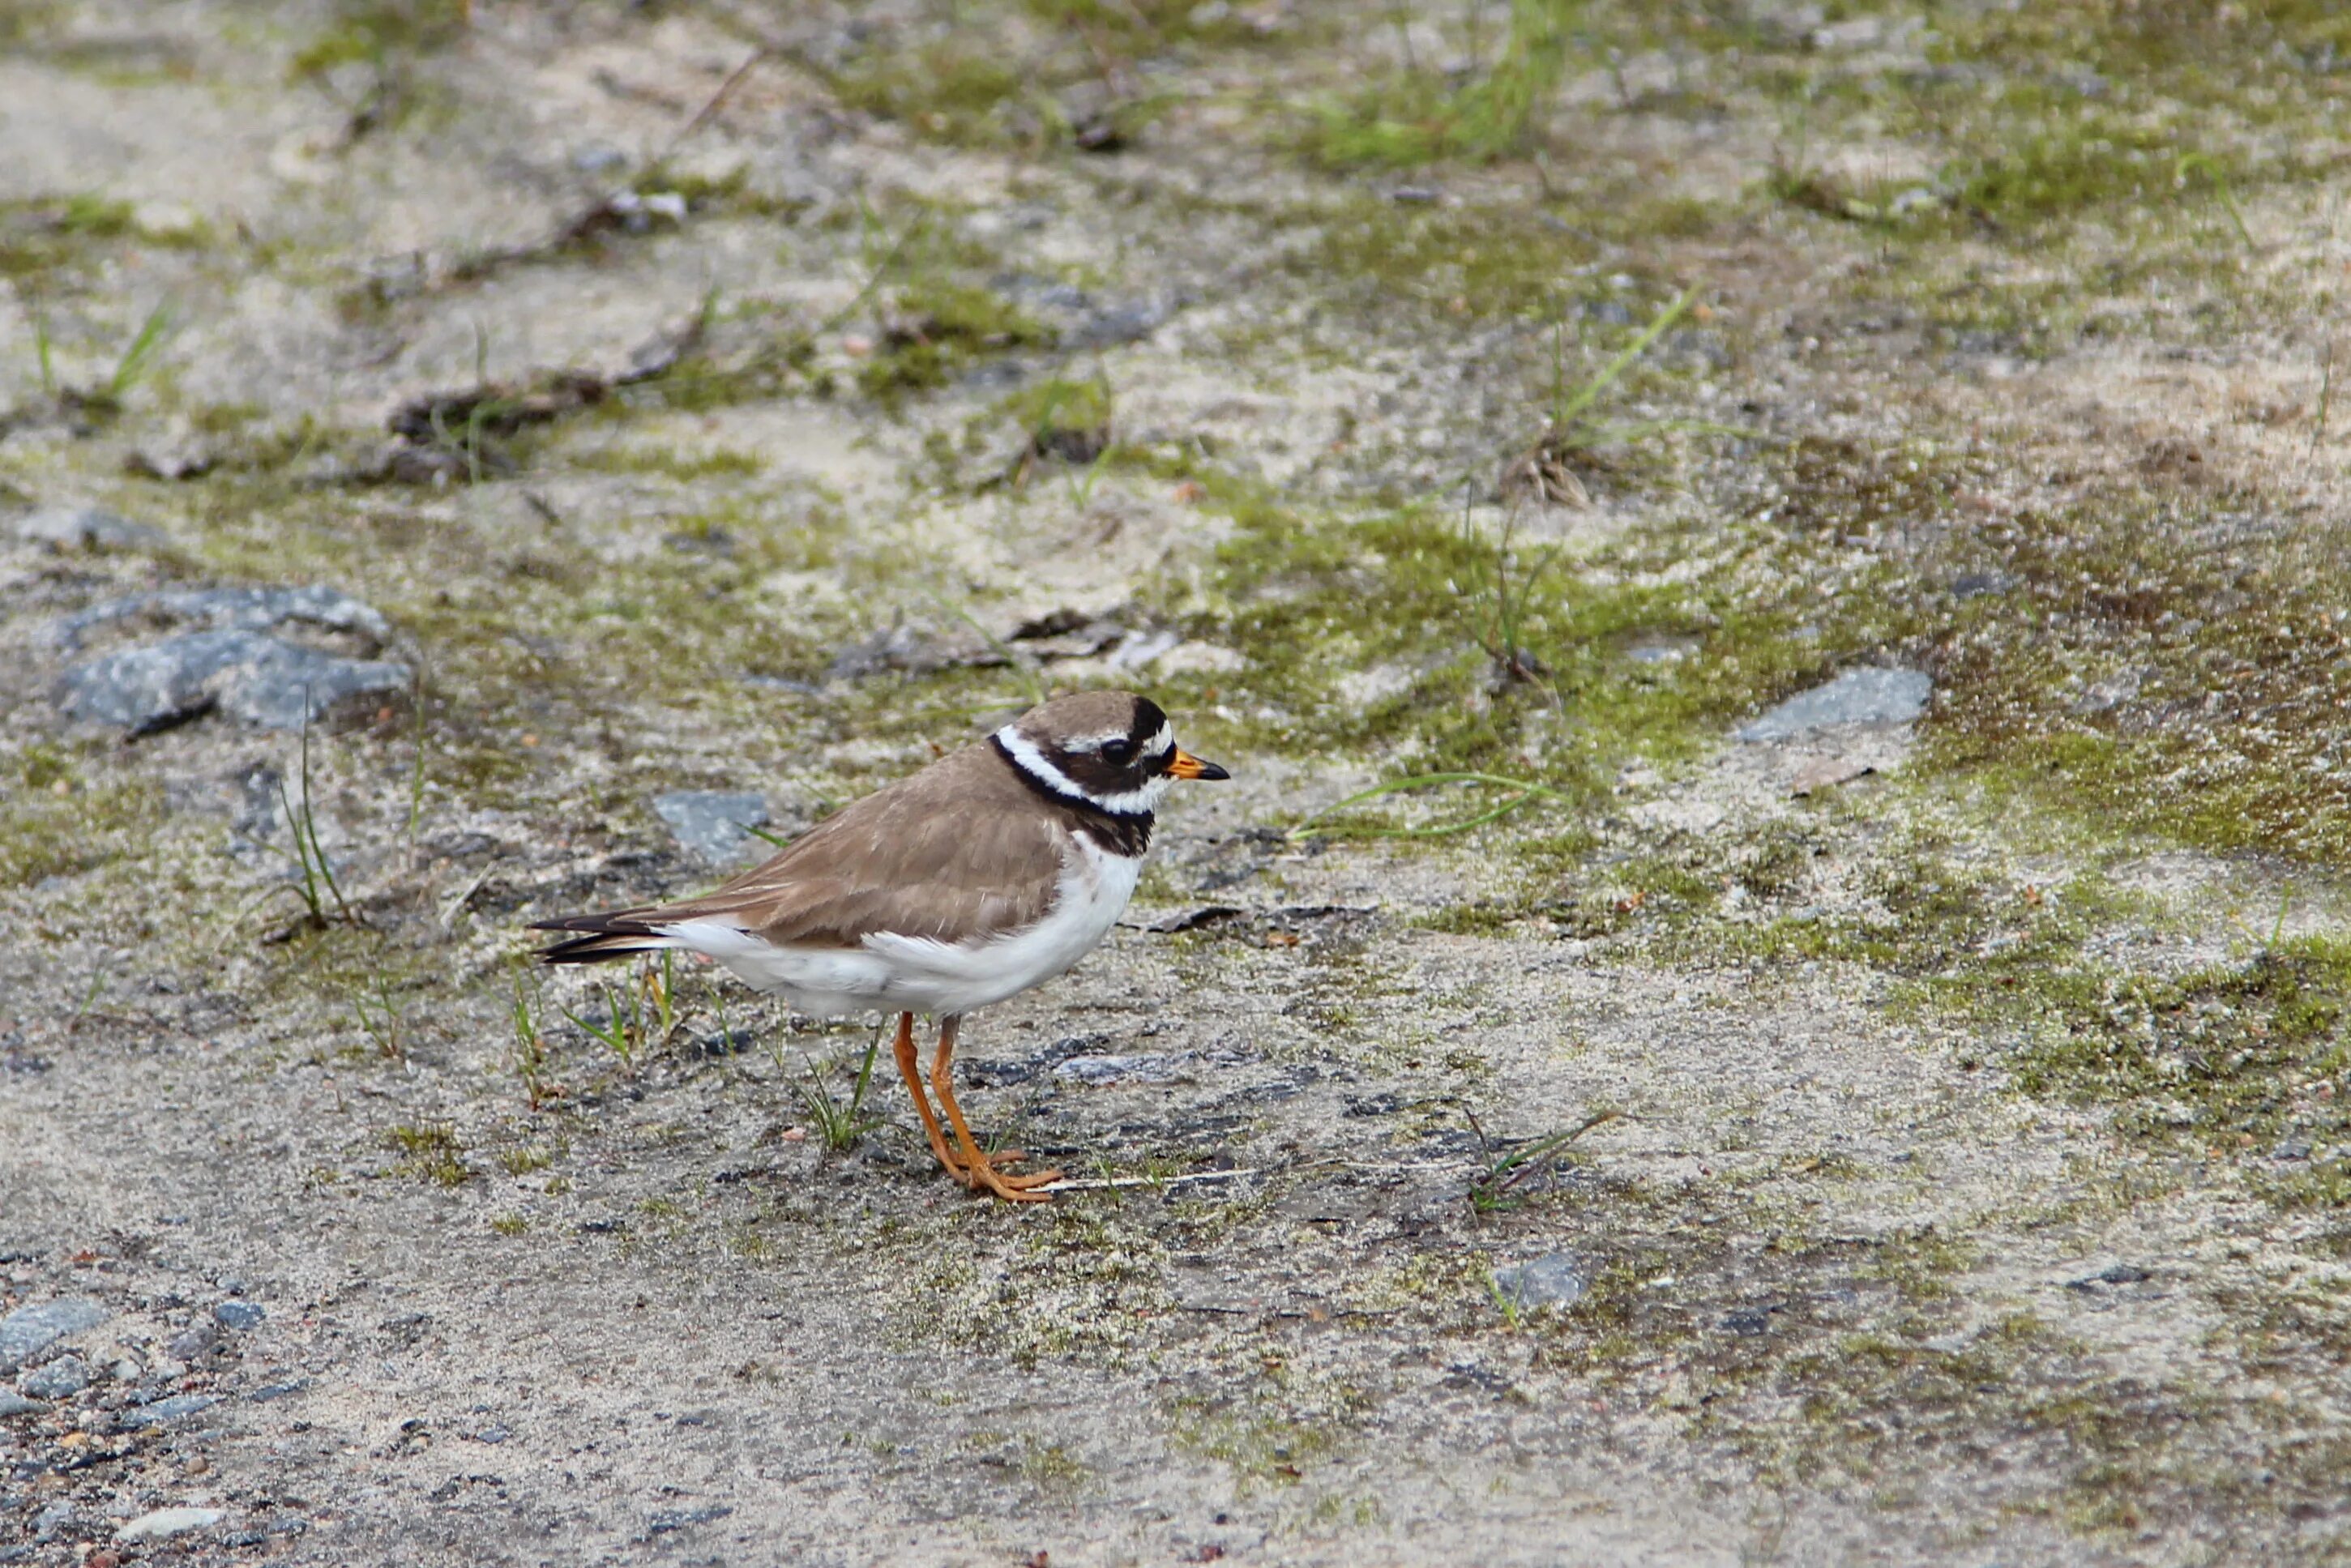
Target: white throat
1138,802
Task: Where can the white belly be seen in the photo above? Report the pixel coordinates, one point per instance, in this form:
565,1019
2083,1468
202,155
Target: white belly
890,973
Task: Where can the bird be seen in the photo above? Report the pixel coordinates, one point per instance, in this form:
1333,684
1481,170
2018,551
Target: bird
986,873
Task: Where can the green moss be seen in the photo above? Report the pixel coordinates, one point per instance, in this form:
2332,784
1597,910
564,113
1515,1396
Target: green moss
1491,657
948,89
669,463
1065,418
940,328
2232,1056
1445,261
41,238
1260,1448
57,824
369,30
1050,1466
1478,917
1417,117
431,1153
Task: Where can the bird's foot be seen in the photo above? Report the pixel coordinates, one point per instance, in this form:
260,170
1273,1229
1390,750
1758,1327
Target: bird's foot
987,1177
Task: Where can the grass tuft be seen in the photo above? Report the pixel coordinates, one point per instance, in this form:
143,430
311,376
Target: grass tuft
840,1124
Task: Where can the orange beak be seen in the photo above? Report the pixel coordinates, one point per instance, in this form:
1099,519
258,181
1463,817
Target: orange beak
1188,766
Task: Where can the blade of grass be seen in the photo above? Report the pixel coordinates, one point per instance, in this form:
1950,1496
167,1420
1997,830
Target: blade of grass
2221,188
1526,790
44,351
1589,394
139,358
1488,1192
417,773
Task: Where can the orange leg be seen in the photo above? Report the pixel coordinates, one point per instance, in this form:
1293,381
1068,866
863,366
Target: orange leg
910,1069
982,1173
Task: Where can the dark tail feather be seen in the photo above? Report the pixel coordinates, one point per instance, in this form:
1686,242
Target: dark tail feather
603,936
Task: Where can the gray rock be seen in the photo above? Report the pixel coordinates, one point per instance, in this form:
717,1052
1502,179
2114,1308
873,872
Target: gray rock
30,1330
1099,1069
59,1379
892,647
18,1405
178,1407
52,1519
260,679
64,528
239,1314
178,453
1857,697
166,1522
1126,322
235,610
1555,1279
194,1343
671,1519
714,824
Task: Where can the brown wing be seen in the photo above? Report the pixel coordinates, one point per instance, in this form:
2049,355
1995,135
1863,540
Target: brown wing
958,851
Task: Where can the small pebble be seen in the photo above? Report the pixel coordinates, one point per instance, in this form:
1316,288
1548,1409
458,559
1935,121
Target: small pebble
52,1519
177,1408
194,1343
714,825
166,1522
1554,1280
239,1315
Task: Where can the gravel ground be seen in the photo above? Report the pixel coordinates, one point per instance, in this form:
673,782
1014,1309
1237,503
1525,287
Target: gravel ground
1878,1093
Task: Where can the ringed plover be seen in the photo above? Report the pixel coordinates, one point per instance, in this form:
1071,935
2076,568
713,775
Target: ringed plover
991,871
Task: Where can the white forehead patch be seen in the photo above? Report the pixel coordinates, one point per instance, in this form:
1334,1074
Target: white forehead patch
1160,745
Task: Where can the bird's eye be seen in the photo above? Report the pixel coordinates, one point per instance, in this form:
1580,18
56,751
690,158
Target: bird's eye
1118,751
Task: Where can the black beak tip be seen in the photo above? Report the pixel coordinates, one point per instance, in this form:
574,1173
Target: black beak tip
1210,773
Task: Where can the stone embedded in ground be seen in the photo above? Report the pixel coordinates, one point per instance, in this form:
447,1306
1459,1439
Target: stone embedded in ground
669,1519
238,1315
30,1330
179,452
714,824
1856,696
166,1522
52,1519
59,1379
894,647
177,1407
1160,1068
190,1344
260,679
235,610
66,528
18,1405
1554,1279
